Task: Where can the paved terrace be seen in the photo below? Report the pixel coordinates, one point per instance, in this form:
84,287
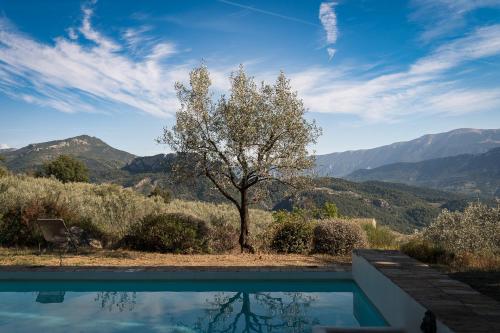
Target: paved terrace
454,303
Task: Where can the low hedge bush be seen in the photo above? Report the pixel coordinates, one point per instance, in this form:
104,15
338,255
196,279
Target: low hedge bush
169,233
425,251
338,237
292,236
223,236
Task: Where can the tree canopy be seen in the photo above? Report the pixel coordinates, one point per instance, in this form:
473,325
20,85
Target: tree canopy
256,135
66,169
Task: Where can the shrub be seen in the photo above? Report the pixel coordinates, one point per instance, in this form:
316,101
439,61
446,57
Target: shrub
3,172
162,193
292,236
476,230
380,237
18,224
66,169
223,236
169,233
17,229
108,209
338,237
425,251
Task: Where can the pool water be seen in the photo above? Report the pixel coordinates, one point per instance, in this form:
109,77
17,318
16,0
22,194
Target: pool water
183,306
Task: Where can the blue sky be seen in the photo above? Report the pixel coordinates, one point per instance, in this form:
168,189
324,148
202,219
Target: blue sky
370,72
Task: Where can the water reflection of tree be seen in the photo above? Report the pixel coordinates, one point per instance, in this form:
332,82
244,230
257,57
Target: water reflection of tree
270,314
117,300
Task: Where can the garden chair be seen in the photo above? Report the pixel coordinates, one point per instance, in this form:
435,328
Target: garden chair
55,232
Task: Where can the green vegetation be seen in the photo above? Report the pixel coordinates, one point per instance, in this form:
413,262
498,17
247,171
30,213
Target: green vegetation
243,142
106,211
426,251
66,169
338,237
162,193
104,162
460,239
476,230
292,236
3,170
381,237
401,207
169,233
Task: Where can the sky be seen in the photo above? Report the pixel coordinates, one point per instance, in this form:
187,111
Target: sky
369,72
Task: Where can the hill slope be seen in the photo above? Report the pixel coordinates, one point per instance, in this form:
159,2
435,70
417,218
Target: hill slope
463,173
456,142
102,160
400,206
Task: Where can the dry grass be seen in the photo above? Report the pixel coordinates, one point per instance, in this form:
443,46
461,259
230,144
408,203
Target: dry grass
16,257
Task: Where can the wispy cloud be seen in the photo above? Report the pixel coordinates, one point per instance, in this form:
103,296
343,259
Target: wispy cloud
328,19
441,17
424,88
71,77
267,12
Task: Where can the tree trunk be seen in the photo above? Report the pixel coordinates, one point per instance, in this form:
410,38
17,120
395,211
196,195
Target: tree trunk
244,217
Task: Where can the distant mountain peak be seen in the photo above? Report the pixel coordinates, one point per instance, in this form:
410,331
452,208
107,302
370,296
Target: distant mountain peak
95,153
429,146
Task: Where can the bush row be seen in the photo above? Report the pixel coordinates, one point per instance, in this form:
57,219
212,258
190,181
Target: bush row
108,213
119,217
296,234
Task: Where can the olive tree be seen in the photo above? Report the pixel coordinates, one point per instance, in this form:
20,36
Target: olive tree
255,136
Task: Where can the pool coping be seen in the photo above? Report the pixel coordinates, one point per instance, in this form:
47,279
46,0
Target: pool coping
457,306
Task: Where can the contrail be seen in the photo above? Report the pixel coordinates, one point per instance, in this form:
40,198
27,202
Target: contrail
269,13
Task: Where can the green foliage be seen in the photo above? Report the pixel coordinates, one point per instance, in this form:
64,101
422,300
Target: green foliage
425,251
330,211
409,207
256,135
162,193
292,236
105,211
476,230
420,214
169,233
18,224
338,237
66,169
380,237
3,171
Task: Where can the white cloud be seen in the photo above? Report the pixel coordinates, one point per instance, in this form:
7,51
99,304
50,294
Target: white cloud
162,50
441,17
4,146
424,88
328,19
71,77
72,34
331,52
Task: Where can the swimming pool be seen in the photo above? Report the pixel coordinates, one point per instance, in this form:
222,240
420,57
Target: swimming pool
183,306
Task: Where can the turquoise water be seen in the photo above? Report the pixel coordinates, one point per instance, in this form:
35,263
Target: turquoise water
183,306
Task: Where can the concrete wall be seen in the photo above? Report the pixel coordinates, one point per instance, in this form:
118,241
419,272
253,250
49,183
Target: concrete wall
398,308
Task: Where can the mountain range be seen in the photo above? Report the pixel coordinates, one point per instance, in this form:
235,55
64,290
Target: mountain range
466,173
431,146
